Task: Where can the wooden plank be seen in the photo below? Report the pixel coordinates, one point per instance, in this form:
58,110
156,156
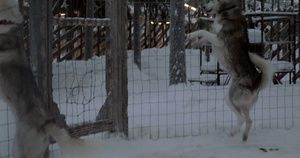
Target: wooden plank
86,129
160,37
68,44
73,54
281,75
259,13
296,76
65,35
98,41
89,128
297,61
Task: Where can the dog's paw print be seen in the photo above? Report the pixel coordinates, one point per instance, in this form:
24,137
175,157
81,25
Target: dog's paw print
270,149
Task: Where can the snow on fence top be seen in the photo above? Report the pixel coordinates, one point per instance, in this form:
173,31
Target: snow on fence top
82,21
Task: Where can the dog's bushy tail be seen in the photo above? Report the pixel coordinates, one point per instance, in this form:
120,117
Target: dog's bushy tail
71,145
265,67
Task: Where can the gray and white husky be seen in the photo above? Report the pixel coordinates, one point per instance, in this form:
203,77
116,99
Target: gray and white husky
34,125
230,45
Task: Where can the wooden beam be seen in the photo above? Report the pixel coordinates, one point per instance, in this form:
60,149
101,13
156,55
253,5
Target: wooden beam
90,128
40,29
86,129
69,21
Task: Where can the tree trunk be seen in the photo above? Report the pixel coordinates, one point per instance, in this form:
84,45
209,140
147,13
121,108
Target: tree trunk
137,33
177,70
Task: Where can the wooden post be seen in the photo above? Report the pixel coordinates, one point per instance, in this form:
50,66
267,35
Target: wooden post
116,66
89,31
40,29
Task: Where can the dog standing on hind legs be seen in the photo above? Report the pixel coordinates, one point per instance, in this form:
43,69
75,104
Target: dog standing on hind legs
230,45
34,124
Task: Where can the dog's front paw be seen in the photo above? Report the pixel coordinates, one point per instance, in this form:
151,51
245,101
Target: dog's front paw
195,35
197,44
195,39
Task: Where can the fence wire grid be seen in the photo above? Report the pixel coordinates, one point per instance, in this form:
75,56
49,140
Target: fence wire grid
158,110
155,108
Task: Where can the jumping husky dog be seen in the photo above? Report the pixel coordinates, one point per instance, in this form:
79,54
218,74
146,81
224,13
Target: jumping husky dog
34,125
230,45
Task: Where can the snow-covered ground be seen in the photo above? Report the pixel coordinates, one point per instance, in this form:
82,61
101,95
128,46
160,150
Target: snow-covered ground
268,143
183,121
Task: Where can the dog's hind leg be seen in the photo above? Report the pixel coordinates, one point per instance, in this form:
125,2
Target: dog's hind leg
248,120
245,108
237,111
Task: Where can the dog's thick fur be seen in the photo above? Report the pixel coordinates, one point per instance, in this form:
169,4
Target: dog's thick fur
34,125
230,45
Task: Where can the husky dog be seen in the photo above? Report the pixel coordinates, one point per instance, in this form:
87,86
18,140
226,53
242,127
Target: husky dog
34,125
230,45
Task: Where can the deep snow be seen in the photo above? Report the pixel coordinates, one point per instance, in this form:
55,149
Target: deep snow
192,120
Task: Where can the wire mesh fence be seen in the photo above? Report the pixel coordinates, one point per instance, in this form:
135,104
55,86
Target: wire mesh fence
78,88
157,109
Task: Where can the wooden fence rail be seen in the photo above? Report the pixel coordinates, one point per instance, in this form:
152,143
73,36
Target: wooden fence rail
69,40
